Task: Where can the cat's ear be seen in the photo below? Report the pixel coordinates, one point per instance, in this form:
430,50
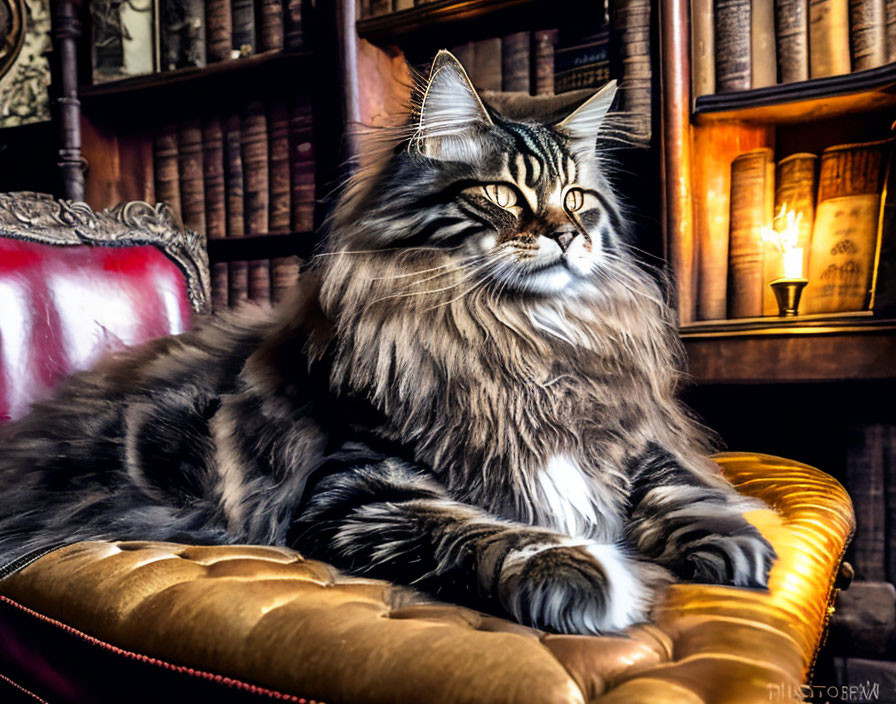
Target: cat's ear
451,115
583,124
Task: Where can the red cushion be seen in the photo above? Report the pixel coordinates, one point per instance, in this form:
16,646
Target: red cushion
61,308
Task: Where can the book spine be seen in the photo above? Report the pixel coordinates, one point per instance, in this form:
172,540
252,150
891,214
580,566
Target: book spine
270,35
302,168
278,165
243,20
183,34
219,26
213,176
486,73
259,281
545,43
399,5
515,61
192,189
792,37
828,38
255,168
632,19
867,36
865,483
733,29
294,36
238,286
167,181
764,64
845,232
238,283
466,54
703,58
220,286
750,213
138,40
284,276
890,12
888,432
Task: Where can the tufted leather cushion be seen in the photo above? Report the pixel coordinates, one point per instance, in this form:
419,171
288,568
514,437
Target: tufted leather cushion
297,628
61,308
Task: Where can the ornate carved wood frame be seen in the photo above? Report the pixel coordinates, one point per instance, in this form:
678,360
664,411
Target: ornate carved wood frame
37,217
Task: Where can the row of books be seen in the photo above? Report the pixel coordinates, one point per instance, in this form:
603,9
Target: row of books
535,63
133,39
262,281
242,174
743,44
803,217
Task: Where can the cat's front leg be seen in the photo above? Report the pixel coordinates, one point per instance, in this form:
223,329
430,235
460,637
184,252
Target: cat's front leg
386,519
694,525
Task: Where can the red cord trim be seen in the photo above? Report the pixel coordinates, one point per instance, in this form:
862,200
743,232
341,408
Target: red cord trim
221,679
19,687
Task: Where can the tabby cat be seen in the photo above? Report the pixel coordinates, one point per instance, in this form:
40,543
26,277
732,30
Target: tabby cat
472,392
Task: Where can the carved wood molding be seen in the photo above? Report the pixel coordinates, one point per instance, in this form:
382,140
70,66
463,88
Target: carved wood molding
37,217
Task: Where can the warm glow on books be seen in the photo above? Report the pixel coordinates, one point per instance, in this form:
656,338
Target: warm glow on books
785,238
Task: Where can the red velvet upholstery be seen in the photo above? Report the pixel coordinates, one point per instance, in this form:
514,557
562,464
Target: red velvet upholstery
63,307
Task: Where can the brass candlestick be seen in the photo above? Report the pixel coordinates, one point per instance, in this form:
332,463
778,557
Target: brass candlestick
787,293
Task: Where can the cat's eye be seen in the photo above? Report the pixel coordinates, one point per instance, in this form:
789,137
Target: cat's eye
574,200
500,194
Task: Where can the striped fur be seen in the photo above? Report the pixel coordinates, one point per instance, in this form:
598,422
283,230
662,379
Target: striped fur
472,391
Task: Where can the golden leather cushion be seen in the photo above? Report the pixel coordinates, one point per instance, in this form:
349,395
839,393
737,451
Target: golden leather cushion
265,615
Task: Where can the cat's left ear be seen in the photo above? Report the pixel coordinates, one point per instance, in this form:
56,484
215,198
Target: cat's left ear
582,126
451,115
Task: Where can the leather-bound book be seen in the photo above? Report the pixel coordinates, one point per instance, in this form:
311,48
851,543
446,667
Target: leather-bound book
544,44
259,282
284,275
828,38
192,189
732,20
220,286
293,30
270,31
703,60
301,167
752,203
486,73
890,12
167,180
515,61
278,164
795,186
243,18
399,5
865,481
466,54
845,233
254,135
213,177
867,33
583,62
792,39
182,34
219,30
238,284
632,24
763,64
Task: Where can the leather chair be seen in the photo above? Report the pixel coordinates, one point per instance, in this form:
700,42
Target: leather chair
145,622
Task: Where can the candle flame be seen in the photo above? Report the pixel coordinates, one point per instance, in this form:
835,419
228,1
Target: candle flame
785,237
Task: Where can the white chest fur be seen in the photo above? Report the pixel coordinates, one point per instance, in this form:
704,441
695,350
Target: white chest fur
575,503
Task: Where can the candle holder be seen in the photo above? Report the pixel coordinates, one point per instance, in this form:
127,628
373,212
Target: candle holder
787,293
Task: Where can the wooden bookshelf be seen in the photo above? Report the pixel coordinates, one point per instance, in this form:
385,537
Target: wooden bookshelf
702,136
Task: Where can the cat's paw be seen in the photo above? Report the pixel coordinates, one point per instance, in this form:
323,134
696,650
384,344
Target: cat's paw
741,557
578,588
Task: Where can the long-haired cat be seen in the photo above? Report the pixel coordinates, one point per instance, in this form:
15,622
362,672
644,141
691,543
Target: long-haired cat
472,393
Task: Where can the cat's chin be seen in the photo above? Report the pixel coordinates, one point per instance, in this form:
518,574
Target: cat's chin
553,279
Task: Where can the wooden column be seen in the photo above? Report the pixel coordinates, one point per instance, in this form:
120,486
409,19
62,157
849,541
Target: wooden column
678,227
66,33
347,38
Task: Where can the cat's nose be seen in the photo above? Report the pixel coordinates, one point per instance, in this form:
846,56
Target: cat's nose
562,238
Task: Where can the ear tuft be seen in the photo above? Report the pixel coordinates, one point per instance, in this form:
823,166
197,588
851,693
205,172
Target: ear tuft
583,125
451,113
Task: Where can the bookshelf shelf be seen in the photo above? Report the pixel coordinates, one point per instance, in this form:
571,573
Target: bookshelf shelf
803,101
435,21
164,85
268,246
